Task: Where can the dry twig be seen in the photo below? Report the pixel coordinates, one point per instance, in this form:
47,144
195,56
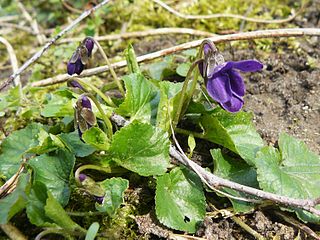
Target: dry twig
33,23
297,224
227,15
38,54
9,18
12,232
13,59
12,25
146,33
247,228
271,33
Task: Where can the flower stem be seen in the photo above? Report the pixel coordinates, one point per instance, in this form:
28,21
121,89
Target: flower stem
103,115
113,73
95,167
107,99
183,92
187,132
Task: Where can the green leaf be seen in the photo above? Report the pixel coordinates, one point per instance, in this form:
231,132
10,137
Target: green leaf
15,201
15,146
57,214
10,100
96,138
141,148
54,171
233,131
92,231
180,201
292,171
169,100
114,192
191,143
141,99
159,70
183,69
47,143
35,206
58,106
236,171
75,145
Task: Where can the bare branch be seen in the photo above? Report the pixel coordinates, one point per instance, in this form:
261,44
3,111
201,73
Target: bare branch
9,18
13,59
147,33
227,15
271,33
12,25
33,23
38,54
12,231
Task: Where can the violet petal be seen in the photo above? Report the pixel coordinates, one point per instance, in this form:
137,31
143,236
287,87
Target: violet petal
234,105
223,68
248,65
89,43
219,88
71,67
78,66
237,83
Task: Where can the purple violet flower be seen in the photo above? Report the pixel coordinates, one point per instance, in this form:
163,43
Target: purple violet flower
226,86
80,57
223,81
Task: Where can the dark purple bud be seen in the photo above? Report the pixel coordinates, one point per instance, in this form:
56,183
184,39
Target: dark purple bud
88,43
75,84
99,199
85,102
82,177
76,67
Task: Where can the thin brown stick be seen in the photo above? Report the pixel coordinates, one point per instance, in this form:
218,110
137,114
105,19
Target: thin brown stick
12,25
9,185
69,7
227,15
215,181
147,33
13,59
271,33
33,23
247,228
297,224
12,232
9,18
38,54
